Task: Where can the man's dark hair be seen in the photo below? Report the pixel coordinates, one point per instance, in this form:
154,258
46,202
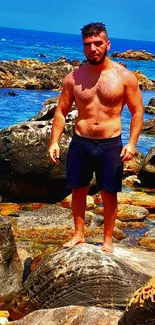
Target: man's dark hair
93,29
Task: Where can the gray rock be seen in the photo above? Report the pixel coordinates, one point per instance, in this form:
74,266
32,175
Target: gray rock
25,170
150,108
149,126
152,102
47,112
82,275
129,212
78,315
10,266
50,215
146,172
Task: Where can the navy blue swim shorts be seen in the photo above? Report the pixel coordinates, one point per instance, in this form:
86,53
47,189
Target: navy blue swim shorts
101,156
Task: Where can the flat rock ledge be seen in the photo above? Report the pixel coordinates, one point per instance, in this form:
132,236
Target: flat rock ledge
83,275
79,315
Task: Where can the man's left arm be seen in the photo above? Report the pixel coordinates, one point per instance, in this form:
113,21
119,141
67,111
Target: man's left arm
134,102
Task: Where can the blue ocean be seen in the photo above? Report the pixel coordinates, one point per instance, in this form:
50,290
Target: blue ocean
19,44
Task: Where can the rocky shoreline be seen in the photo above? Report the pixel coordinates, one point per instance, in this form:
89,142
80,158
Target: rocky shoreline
34,74
134,55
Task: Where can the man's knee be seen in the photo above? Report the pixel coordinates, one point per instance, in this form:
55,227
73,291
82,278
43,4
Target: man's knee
80,192
108,196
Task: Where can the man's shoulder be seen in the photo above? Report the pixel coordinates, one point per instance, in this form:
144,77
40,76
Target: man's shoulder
127,75
69,78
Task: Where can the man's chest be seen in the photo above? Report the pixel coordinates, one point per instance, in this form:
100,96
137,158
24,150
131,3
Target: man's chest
107,91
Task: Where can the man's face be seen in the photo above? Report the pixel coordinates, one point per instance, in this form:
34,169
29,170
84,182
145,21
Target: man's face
96,47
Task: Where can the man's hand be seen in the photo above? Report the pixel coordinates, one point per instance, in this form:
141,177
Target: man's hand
128,152
54,152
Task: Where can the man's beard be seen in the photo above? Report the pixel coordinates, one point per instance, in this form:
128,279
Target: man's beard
95,62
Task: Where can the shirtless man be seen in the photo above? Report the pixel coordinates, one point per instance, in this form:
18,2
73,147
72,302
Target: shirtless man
100,89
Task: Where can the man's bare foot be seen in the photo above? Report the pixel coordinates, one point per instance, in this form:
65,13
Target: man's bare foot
107,248
74,241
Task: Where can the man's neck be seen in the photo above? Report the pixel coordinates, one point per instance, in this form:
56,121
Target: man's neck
107,63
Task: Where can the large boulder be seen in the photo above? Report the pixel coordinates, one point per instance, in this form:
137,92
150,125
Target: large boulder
146,172
10,266
82,275
26,173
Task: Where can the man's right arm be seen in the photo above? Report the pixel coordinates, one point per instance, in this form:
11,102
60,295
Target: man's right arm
65,103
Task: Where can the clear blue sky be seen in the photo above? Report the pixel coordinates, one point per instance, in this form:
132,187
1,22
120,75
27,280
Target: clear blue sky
131,19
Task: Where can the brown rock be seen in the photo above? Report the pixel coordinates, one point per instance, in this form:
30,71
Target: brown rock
133,198
129,212
143,81
141,308
134,55
67,202
33,74
137,198
130,224
148,239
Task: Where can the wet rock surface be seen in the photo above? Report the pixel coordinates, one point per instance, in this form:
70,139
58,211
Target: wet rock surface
82,275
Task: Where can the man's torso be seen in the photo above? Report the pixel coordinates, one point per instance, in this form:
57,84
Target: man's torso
99,99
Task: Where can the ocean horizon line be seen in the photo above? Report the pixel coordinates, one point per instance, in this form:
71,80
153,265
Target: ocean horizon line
74,34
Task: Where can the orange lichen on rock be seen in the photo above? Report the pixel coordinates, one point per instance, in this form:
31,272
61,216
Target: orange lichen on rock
145,293
8,208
